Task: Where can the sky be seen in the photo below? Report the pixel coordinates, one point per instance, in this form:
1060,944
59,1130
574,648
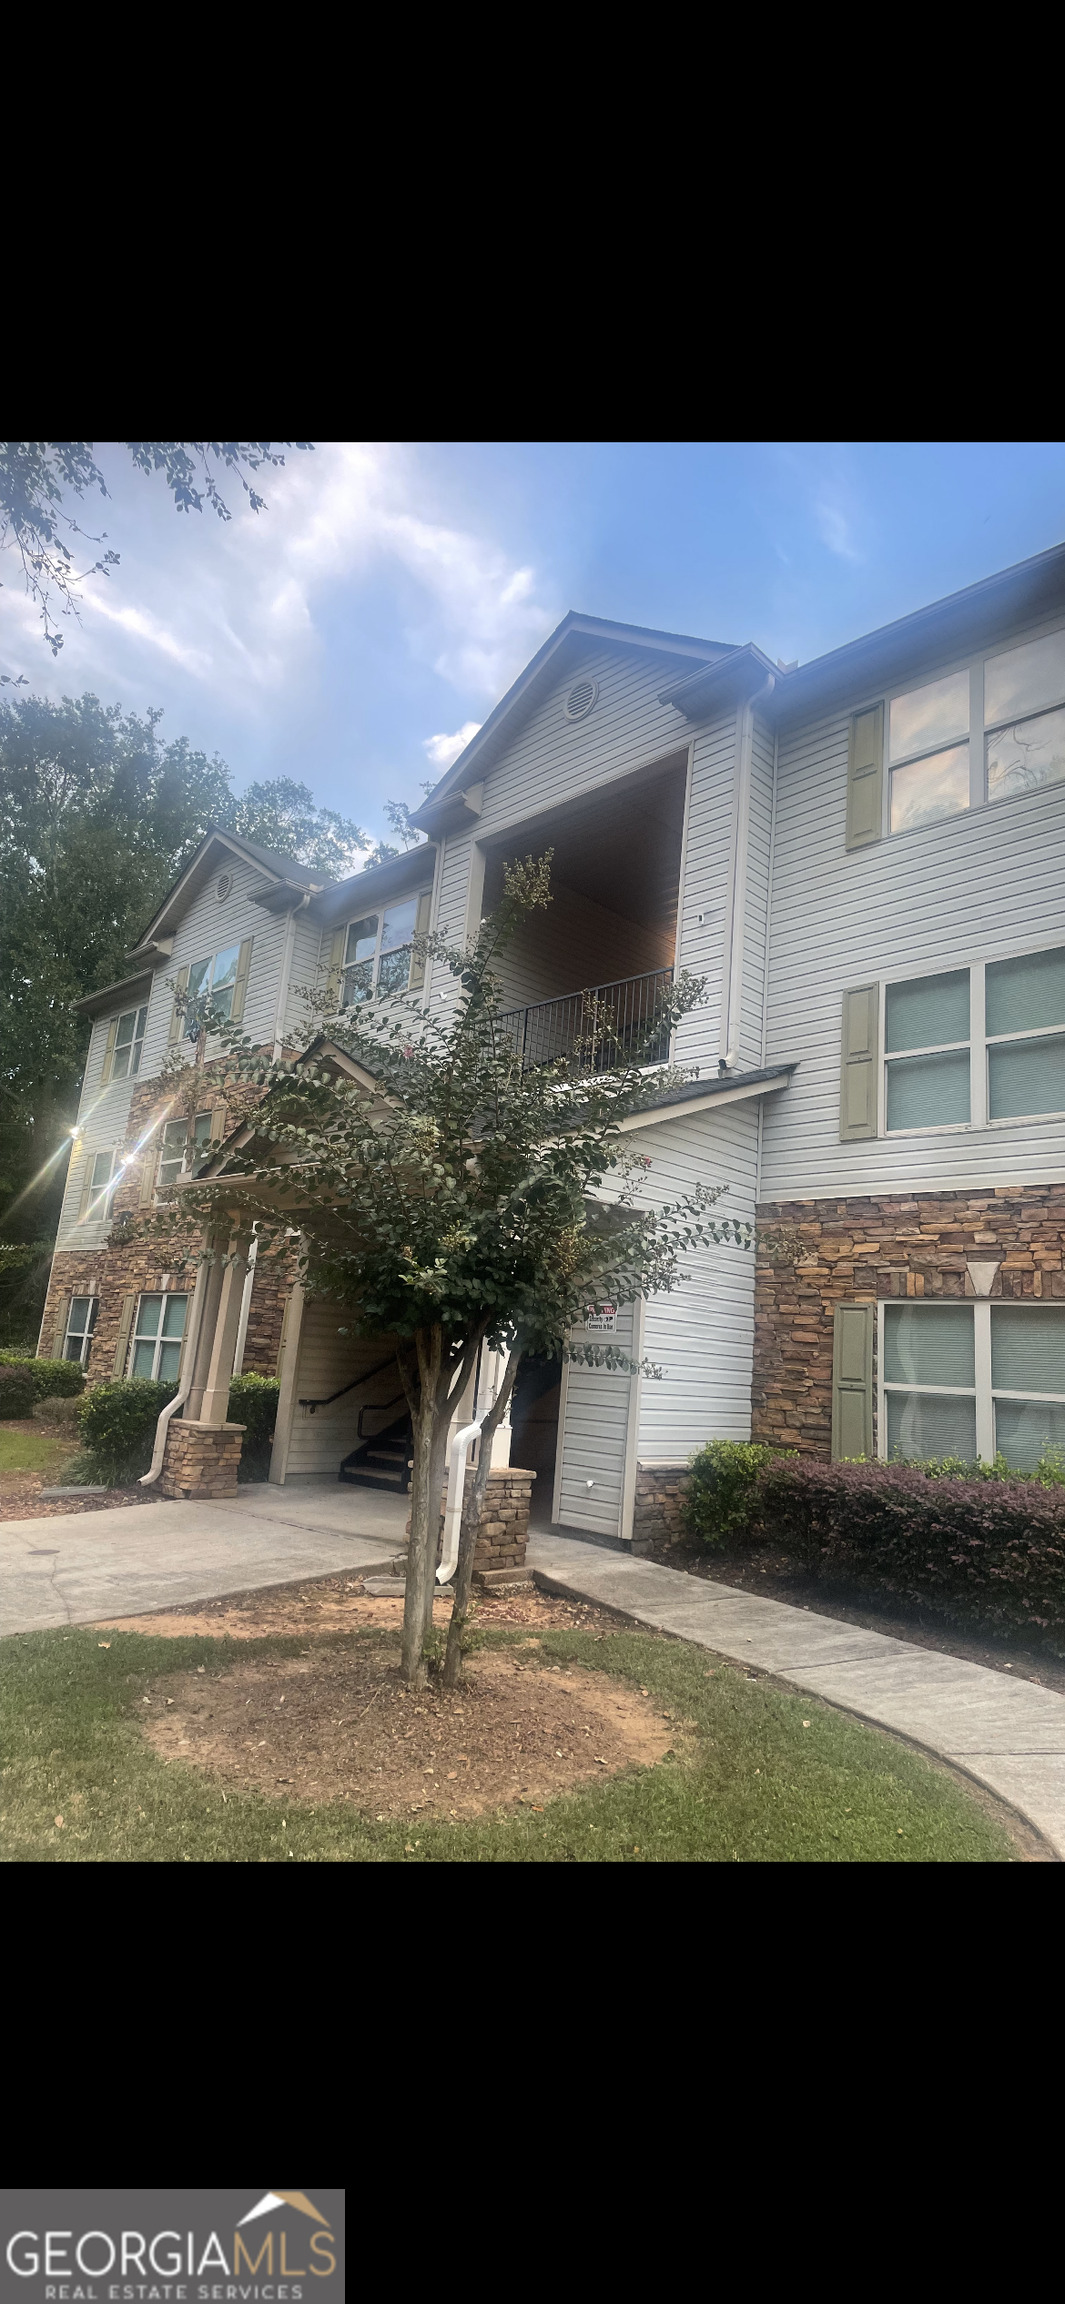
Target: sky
356,633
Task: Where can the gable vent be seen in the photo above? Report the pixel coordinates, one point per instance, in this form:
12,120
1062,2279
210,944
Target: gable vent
580,700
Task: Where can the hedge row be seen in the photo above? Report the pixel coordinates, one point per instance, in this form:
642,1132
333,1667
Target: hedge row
25,1380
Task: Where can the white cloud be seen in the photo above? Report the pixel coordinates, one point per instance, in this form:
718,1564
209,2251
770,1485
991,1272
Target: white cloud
235,604
442,750
835,528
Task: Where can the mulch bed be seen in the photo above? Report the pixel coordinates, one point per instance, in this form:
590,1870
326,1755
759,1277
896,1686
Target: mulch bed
340,1724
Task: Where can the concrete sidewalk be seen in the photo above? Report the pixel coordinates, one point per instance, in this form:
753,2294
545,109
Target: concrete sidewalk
79,1566
1008,1734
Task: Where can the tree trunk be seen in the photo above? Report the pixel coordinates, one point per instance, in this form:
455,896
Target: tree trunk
470,1526
430,1436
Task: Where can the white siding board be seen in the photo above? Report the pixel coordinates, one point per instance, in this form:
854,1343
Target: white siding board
552,759
702,1334
594,1430
209,927
977,886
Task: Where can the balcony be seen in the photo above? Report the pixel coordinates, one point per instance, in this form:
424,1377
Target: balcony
596,1027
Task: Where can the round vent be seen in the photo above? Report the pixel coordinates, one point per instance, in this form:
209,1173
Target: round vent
580,700
224,885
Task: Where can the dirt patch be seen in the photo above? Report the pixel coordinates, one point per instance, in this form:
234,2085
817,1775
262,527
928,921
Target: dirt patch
339,1604
20,1492
339,1724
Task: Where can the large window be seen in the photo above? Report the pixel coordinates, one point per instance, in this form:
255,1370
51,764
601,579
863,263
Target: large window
211,981
157,1337
993,728
973,1045
182,1142
378,952
81,1320
125,1040
972,1380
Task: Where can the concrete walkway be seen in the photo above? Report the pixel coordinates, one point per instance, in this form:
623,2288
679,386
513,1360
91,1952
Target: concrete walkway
1008,1734
77,1567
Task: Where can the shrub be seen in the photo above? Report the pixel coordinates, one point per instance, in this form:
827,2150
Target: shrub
721,1496
52,1379
17,1392
53,1411
253,1403
992,1551
117,1424
1049,1472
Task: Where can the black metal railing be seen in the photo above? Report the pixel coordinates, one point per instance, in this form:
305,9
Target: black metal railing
597,1028
388,1362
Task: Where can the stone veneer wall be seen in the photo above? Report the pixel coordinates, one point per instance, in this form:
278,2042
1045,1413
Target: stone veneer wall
859,1250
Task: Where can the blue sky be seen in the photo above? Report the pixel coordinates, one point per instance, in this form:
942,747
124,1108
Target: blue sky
351,633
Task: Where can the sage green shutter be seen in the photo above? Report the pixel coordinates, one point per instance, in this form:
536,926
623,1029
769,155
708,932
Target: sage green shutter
129,1306
109,1052
859,1063
219,1118
236,1013
421,928
852,1380
85,1194
865,778
177,1020
331,959
149,1163
61,1326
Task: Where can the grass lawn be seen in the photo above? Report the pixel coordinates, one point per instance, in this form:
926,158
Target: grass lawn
22,1450
754,1776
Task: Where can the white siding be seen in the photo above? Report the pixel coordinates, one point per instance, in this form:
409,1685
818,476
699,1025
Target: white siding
103,1115
303,975
752,944
327,1359
705,887
552,759
974,887
209,927
702,1334
593,1431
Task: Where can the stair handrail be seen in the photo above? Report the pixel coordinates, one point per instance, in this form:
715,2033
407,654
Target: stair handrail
364,1378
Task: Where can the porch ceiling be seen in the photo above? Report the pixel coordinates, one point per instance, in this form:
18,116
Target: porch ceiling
618,846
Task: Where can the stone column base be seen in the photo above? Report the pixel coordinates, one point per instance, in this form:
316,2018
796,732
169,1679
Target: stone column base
504,1528
656,1520
201,1459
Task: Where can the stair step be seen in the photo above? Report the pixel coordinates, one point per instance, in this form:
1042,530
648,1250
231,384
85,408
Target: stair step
355,1476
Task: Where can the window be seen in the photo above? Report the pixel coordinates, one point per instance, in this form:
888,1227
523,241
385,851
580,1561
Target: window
378,951
972,1380
181,1144
102,1175
157,1337
992,728
211,981
81,1320
125,1041
975,1045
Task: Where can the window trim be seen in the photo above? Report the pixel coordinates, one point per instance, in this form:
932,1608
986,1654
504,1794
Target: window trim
978,1044
208,996
164,1295
978,732
982,1391
86,1334
346,966
135,1043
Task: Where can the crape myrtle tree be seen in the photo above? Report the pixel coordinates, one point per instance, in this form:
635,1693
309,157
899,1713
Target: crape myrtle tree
465,1203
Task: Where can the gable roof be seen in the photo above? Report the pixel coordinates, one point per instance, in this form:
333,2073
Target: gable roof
569,641
280,875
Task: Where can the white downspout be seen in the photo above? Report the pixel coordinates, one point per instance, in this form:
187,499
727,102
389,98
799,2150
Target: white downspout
192,1339
741,822
286,971
456,1483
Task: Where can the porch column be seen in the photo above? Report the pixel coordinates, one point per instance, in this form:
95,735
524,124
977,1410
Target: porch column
212,1283
214,1407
